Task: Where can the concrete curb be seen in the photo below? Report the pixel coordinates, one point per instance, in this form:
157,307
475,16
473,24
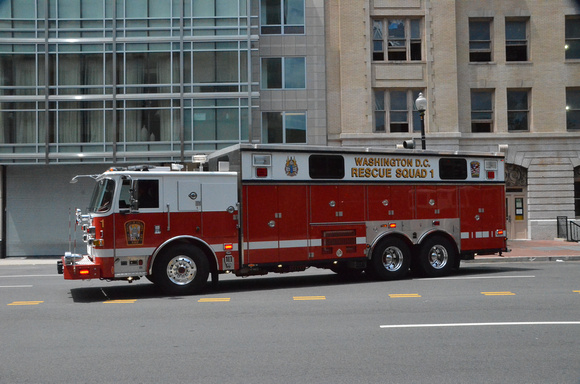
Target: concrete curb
521,259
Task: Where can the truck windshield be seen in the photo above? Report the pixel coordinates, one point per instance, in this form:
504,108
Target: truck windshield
102,198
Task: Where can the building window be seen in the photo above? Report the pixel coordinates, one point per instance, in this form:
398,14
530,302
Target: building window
402,40
577,192
282,17
479,40
573,109
284,127
518,110
284,73
395,109
481,111
572,45
516,40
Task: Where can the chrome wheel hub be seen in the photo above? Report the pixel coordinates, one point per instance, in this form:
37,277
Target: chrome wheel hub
181,270
438,257
392,259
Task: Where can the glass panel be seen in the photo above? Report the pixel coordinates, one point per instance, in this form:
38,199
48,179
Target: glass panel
271,73
377,30
573,99
203,8
228,124
573,28
481,101
517,121
396,30
272,127
379,100
295,127
294,12
398,117
515,30
517,100
69,9
22,9
136,9
398,101
159,8
573,49
572,119
271,12
415,29
479,30
295,72
379,121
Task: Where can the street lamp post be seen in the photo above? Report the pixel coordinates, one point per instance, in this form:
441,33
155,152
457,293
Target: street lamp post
421,104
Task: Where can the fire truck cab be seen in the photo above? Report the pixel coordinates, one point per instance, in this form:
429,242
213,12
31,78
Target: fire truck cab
267,208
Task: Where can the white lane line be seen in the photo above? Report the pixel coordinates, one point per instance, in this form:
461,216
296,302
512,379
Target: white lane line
15,286
481,324
480,277
53,275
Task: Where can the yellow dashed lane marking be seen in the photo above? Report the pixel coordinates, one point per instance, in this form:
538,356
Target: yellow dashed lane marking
128,301
26,303
304,298
214,300
403,295
577,291
507,293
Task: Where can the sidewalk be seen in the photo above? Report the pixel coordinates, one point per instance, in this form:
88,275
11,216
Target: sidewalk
521,250
536,250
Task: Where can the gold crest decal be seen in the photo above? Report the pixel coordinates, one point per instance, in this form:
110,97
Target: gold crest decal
134,231
291,166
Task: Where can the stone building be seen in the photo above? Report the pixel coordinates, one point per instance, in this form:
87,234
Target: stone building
497,75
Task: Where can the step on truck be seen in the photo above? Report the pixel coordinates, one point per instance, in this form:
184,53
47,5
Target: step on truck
253,209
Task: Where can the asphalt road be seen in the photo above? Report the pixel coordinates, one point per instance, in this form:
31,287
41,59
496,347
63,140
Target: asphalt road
491,323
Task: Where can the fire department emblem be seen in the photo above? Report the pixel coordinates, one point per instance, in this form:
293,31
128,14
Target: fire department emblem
134,231
475,169
291,166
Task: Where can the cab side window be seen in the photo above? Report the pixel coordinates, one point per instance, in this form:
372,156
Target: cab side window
125,197
148,193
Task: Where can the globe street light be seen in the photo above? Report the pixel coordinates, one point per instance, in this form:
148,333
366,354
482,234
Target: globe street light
421,104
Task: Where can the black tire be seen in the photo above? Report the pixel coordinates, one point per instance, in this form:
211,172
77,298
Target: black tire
181,270
390,260
437,257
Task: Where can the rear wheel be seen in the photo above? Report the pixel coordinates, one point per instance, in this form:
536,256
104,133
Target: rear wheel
391,259
181,270
437,257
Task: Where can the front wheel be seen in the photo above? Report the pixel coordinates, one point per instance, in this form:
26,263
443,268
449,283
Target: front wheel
181,270
437,257
391,259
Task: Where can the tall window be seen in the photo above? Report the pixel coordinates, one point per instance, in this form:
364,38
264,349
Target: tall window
395,109
573,109
284,127
572,45
397,40
282,17
479,40
284,73
516,40
518,110
481,110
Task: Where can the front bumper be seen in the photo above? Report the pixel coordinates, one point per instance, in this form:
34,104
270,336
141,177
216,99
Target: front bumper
78,267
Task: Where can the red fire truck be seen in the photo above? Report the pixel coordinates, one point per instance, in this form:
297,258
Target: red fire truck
267,208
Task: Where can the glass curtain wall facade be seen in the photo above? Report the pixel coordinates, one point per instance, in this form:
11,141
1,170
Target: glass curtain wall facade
123,80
